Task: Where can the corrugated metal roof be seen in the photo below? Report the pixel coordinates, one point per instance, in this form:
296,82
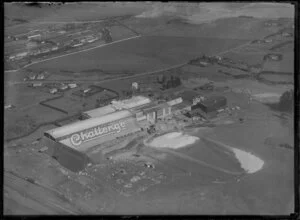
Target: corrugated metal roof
98,112
131,103
175,101
88,123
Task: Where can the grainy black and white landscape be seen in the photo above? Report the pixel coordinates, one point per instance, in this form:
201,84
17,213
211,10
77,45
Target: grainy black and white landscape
206,119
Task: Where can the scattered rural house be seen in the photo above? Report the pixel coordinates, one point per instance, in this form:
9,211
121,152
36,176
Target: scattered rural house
21,55
285,34
72,85
32,77
37,84
203,63
12,57
135,85
63,87
54,48
9,106
271,24
40,76
274,57
86,90
218,58
53,90
255,69
36,36
268,41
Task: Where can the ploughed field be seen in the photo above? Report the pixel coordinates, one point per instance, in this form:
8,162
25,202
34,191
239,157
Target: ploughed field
139,55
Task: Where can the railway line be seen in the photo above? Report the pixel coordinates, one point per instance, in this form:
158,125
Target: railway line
37,193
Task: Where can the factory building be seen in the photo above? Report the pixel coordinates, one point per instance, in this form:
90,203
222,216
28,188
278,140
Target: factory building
136,101
88,133
69,143
211,104
155,112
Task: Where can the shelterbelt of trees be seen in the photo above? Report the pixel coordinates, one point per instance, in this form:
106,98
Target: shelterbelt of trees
286,102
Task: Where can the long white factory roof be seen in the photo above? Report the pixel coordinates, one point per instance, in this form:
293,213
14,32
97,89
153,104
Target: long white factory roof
131,103
88,123
118,105
98,112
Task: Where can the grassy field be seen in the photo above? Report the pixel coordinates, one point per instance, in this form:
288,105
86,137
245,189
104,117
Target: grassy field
119,32
22,95
278,77
140,55
254,87
232,28
271,189
210,72
249,58
285,65
21,122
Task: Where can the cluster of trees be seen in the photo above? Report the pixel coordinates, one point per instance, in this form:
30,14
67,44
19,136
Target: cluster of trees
171,82
286,102
106,35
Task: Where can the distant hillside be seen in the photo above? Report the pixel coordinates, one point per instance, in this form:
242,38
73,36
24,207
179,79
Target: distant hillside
68,12
232,28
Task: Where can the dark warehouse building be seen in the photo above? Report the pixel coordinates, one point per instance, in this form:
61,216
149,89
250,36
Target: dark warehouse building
211,104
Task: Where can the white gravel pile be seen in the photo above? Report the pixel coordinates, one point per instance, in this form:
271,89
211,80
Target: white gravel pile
173,140
248,161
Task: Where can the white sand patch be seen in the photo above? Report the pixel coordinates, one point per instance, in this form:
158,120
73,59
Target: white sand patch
173,140
248,161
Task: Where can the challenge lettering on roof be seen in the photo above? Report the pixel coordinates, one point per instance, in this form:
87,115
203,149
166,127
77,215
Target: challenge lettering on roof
96,132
